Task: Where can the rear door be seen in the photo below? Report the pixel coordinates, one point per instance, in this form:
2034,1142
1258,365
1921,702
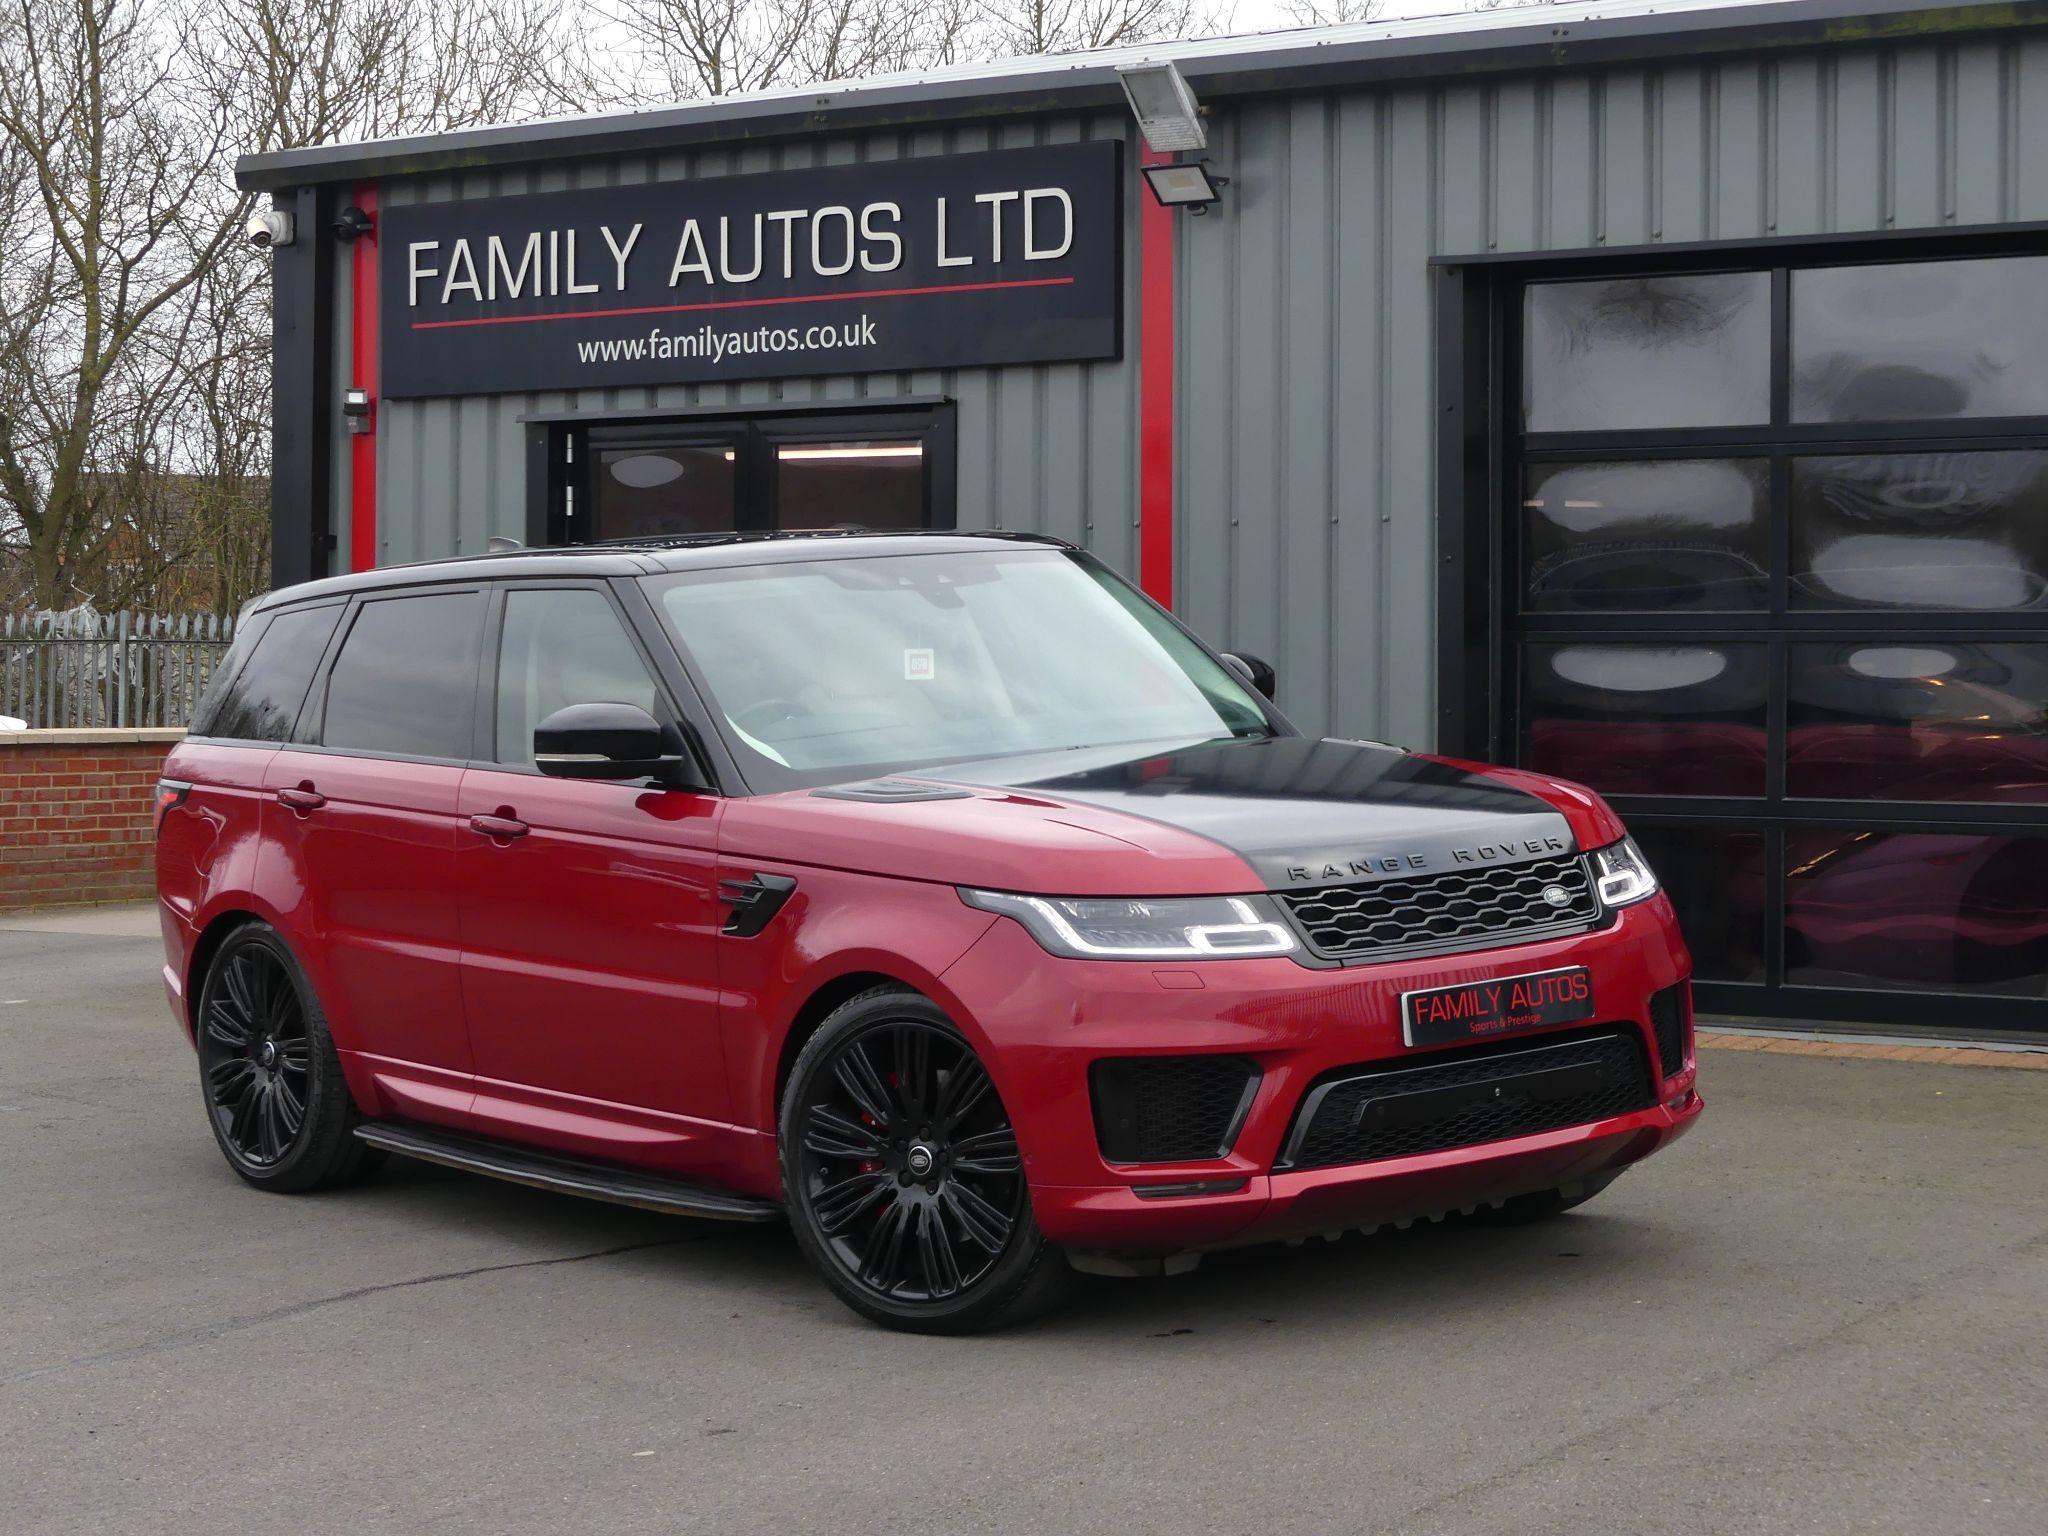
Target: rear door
589,909
365,814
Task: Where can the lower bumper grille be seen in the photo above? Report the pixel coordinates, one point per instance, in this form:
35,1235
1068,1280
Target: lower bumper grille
1170,1109
1466,1097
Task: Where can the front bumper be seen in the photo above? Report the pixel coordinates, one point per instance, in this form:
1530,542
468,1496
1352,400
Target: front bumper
1041,1021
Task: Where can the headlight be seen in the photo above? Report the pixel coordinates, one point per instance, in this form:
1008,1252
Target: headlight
1622,875
1145,928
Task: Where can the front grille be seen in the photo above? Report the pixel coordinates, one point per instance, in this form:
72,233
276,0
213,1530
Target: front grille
1170,1109
1465,1097
1667,1020
1464,909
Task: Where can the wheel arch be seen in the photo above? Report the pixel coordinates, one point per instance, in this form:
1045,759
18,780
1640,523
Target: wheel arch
815,1009
204,948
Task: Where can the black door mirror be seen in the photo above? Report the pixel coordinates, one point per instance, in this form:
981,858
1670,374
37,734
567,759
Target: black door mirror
610,741
1253,670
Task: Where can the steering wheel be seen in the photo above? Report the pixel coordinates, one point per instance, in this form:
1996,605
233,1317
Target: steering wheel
763,714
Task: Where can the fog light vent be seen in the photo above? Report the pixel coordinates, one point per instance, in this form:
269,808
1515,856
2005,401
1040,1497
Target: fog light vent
1668,1017
1170,1109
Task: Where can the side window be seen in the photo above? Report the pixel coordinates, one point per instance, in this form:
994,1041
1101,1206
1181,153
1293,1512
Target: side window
562,646
405,681
261,701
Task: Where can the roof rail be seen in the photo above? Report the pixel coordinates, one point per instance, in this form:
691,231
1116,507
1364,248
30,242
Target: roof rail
712,537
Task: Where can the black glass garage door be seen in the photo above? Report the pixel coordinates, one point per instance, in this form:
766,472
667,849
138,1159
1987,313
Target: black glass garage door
1775,580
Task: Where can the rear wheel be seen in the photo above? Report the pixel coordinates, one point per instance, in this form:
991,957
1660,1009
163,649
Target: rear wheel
902,1177
274,1092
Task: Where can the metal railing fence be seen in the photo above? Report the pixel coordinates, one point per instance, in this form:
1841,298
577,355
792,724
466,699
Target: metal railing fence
120,670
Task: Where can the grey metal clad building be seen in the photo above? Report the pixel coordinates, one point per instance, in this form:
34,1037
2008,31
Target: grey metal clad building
1656,395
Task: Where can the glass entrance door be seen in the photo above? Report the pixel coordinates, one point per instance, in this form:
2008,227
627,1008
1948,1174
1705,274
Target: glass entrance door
650,478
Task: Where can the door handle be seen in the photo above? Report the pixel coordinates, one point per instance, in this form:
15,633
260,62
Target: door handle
499,828
303,799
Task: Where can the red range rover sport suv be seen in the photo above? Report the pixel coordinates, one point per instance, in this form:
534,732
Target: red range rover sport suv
937,893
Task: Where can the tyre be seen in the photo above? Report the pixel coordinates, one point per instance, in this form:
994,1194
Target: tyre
273,1087
902,1178
1520,1210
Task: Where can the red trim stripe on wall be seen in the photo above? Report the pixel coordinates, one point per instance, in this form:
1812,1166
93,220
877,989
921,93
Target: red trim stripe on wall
362,347
1157,233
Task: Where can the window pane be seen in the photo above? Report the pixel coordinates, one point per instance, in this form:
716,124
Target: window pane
1676,535
1919,720
405,681
1941,911
1647,719
1923,339
648,491
262,704
1647,352
1921,530
1716,881
874,484
562,647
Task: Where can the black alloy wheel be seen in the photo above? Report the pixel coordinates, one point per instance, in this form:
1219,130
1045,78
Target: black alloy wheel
903,1176
274,1092
256,1057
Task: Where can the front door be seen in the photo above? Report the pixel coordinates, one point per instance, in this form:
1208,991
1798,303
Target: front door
589,909
647,479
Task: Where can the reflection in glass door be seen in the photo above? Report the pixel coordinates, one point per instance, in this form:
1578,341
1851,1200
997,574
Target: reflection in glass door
1777,582
653,484
863,482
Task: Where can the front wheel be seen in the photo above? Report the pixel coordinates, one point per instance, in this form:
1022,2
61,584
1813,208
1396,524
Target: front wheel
902,1177
273,1085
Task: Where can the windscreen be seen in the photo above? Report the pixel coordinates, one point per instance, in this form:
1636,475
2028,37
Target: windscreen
835,669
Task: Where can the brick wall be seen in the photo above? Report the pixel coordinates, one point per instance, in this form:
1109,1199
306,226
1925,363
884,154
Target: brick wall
75,810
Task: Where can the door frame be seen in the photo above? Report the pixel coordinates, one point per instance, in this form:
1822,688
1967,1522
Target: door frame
558,457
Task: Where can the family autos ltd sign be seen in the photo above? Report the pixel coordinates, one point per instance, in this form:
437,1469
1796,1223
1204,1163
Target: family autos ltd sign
950,261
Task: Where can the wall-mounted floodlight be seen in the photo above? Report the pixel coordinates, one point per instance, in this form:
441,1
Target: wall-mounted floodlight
1165,108
352,223
1191,185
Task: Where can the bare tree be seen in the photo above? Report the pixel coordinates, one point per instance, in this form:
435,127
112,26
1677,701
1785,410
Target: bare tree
134,368
302,72
1330,13
671,50
1062,26
121,159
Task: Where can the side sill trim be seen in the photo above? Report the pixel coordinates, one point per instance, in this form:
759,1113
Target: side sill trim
566,1175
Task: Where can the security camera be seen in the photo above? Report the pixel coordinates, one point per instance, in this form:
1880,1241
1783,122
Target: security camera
269,228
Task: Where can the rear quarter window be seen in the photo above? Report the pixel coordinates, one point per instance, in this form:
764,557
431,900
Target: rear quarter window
262,694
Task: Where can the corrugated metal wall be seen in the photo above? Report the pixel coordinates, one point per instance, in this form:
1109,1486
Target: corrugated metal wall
1307,459
1306,425
1043,449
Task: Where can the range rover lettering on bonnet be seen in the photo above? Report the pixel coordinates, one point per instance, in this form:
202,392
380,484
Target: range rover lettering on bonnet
1379,865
